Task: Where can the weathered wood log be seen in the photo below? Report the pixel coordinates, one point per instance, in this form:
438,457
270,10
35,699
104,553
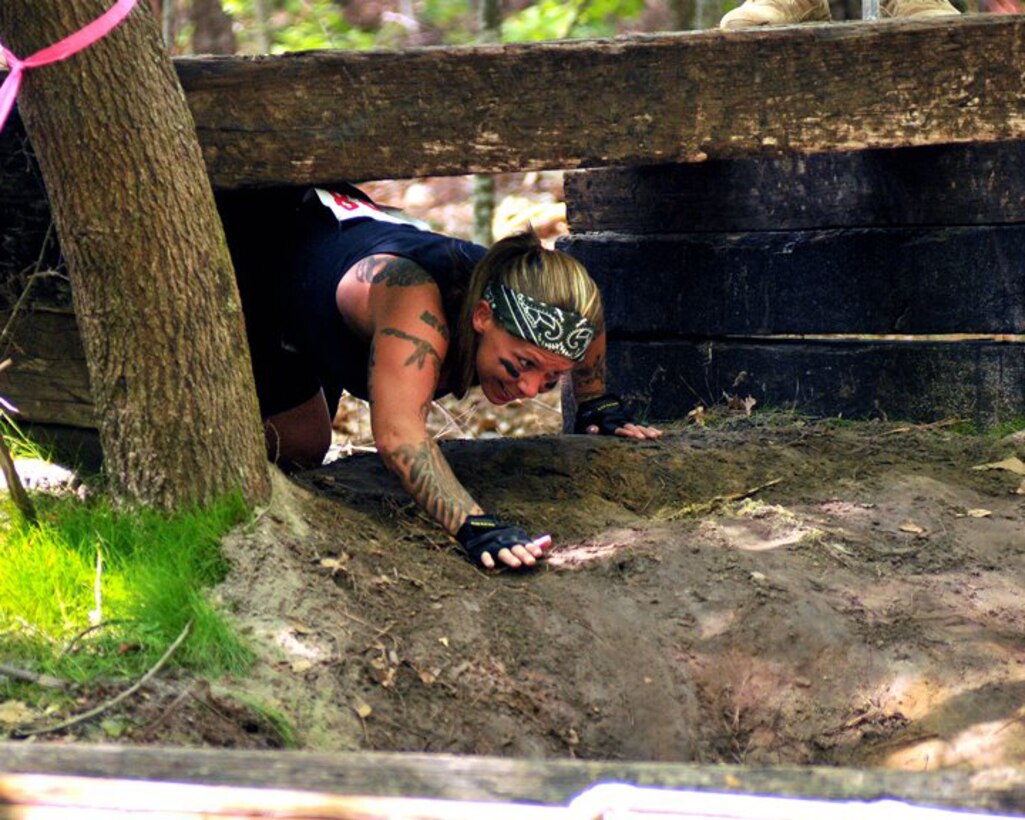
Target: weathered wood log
917,381
931,185
320,117
84,797
49,380
868,281
550,782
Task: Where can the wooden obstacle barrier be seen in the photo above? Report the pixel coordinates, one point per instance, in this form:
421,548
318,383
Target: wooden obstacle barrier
497,781
877,283
792,248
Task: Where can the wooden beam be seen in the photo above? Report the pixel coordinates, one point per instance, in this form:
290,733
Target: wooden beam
324,116
972,184
983,381
910,281
546,782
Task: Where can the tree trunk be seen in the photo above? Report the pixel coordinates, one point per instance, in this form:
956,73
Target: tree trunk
484,185
211,32
153,284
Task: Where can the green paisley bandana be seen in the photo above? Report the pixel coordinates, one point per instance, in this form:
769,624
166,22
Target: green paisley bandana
553,329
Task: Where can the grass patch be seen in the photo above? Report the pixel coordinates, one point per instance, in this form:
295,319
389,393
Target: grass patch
97,592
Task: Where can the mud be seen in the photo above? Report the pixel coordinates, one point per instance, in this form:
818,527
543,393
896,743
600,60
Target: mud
777,593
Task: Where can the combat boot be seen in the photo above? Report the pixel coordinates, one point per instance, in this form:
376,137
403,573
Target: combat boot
779,13
916,8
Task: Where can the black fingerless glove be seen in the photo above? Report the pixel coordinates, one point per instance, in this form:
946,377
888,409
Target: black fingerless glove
607,413
485,533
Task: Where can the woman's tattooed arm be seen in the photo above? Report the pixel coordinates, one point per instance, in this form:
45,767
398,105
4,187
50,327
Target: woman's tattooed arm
423,471
589,375
410,341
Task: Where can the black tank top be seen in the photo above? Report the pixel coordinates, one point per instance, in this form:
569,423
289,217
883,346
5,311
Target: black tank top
325,249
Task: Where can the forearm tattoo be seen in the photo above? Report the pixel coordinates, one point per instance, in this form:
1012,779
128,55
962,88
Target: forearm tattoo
589,379
390,271
428,478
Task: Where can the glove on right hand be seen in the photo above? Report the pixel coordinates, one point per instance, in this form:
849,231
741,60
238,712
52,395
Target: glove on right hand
485,533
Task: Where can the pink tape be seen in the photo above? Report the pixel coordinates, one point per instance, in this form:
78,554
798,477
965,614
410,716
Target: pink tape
61,50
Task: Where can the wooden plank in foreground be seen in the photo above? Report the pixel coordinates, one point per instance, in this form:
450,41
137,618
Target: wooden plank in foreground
546,782
82,798
317,117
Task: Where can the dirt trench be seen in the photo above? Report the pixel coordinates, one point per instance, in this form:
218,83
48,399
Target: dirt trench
777,593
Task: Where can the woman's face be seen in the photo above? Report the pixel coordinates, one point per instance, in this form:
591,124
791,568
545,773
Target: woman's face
508,367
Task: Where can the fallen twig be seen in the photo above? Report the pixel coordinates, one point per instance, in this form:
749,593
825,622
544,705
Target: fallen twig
933,425
94,628
14,486
702,507
110,704
32,677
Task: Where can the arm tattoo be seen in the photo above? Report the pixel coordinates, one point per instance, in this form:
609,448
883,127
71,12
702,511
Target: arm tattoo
390,271
371,361
439,325
423,350
589,380
428,478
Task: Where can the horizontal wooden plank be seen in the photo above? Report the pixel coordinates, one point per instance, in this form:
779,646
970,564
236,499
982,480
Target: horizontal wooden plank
326,116
910,280
321,117
464,777
48,380
84,798
931,185
916,381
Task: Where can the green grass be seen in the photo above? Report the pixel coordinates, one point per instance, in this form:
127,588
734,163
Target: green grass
152,578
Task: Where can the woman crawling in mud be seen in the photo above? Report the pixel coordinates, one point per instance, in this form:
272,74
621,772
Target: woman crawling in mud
349,296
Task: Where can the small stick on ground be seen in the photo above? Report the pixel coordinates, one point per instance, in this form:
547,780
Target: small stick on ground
935,425
14,485
32,677
702,507
110,704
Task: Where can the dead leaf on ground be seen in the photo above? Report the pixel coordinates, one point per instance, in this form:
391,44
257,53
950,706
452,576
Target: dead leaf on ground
15,713
976,513
740,406
1012,465
697,416
362,708
911,527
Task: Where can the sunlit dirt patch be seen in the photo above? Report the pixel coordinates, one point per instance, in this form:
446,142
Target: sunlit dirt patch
611,545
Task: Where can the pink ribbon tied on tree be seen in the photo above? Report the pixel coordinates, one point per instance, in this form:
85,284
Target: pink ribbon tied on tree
73,43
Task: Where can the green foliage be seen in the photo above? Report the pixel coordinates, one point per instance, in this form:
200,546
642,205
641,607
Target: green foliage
137,577
304,25
555,19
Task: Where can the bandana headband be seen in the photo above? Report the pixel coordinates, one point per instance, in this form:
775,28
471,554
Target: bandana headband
553,329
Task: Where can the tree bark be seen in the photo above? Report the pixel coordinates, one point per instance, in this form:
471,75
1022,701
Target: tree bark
153,284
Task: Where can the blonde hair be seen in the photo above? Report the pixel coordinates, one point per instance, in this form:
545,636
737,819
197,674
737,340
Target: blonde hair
522,263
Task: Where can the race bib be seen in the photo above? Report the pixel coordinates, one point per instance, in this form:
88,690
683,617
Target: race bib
346,207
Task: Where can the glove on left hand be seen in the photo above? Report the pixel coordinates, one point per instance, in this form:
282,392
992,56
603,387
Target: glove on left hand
607,413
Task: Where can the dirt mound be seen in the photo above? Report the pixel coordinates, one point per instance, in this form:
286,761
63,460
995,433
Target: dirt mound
796,593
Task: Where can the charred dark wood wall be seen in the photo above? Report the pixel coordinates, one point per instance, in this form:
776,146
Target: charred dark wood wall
878,283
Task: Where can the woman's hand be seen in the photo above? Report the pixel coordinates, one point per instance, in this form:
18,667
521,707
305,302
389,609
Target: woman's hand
598,412
607,415
484,536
